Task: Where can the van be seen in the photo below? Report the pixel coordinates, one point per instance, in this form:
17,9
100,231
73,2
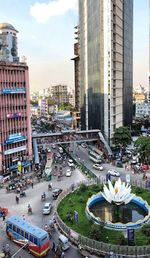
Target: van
64,243
60,150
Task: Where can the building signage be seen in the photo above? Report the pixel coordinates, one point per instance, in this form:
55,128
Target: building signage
14,115
14,150
19,166
130,233
15,138
13,90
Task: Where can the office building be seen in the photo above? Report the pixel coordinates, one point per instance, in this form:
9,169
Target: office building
59,93
76,60
106,61
15,134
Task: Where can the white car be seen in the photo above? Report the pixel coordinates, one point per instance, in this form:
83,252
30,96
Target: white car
98,167
53,146
47,208
70,162
113,173
68,172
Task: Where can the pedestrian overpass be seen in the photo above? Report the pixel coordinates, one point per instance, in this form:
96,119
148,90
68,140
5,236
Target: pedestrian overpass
69,136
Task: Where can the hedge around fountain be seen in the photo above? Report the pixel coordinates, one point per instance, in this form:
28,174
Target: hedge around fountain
76,201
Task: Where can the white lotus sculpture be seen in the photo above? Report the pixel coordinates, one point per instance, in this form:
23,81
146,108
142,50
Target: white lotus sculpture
119,193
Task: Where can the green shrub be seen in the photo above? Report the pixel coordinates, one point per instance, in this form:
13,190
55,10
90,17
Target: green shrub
83,188
146,230
96,232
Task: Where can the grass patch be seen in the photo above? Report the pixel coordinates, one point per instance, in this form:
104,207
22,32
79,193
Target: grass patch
77,200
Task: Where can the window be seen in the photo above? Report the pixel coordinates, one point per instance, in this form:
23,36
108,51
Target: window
44,238
14,228
26,235
18,230
10,226
35,240
31,238
22,232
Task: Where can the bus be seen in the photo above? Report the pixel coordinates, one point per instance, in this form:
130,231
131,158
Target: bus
48,167
23,232
95,157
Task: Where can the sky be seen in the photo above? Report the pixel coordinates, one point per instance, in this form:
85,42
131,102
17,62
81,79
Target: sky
46,37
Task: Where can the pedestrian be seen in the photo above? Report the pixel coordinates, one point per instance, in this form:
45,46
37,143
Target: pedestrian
62,255
23,216
17,199
53,247
3,215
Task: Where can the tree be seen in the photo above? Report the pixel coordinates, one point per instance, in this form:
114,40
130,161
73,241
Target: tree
122,136
65,106
143,144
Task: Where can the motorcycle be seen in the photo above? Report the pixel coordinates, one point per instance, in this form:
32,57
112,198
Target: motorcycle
29,210
43,197
22,194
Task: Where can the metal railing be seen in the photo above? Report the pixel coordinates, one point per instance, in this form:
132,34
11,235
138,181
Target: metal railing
93,246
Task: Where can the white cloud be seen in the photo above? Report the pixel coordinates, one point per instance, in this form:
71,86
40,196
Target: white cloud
43,11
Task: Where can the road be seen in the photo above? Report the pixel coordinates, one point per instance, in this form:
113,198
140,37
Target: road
81,154
34,198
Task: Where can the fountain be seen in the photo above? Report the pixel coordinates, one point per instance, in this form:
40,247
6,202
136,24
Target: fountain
117,208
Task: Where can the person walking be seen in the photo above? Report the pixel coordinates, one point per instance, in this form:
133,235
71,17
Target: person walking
17,199
3,215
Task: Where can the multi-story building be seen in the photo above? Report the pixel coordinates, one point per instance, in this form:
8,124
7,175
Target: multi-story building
15,125
76,70
106,60
43,106
59,93
142,109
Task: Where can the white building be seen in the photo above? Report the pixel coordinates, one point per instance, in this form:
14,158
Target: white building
8,43
142,109
43,106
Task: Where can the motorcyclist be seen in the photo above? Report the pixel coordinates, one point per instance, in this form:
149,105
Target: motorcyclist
44,195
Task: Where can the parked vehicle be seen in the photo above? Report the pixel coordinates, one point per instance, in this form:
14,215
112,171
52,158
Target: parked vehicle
113,173
47,208
98,167
68,172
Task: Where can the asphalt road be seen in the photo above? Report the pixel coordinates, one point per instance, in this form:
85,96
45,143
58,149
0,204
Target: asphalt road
34,198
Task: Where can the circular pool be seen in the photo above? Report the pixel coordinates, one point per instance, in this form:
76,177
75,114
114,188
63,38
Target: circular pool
132,215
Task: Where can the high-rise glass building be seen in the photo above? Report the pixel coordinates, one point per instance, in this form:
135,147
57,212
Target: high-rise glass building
15,124
106,61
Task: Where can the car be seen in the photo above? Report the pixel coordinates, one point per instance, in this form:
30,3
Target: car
98,167
83,145
56,192
53,146
70,162
112,172
133,162
47,208
58,155
68,172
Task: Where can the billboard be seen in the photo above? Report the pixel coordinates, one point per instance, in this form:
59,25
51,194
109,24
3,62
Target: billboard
17,137
14,115
13,90
14,150
19,166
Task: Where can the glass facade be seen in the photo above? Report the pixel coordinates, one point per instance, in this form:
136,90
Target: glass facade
106,53
128,62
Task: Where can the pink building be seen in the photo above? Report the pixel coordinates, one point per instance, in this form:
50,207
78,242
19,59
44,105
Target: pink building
15,125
